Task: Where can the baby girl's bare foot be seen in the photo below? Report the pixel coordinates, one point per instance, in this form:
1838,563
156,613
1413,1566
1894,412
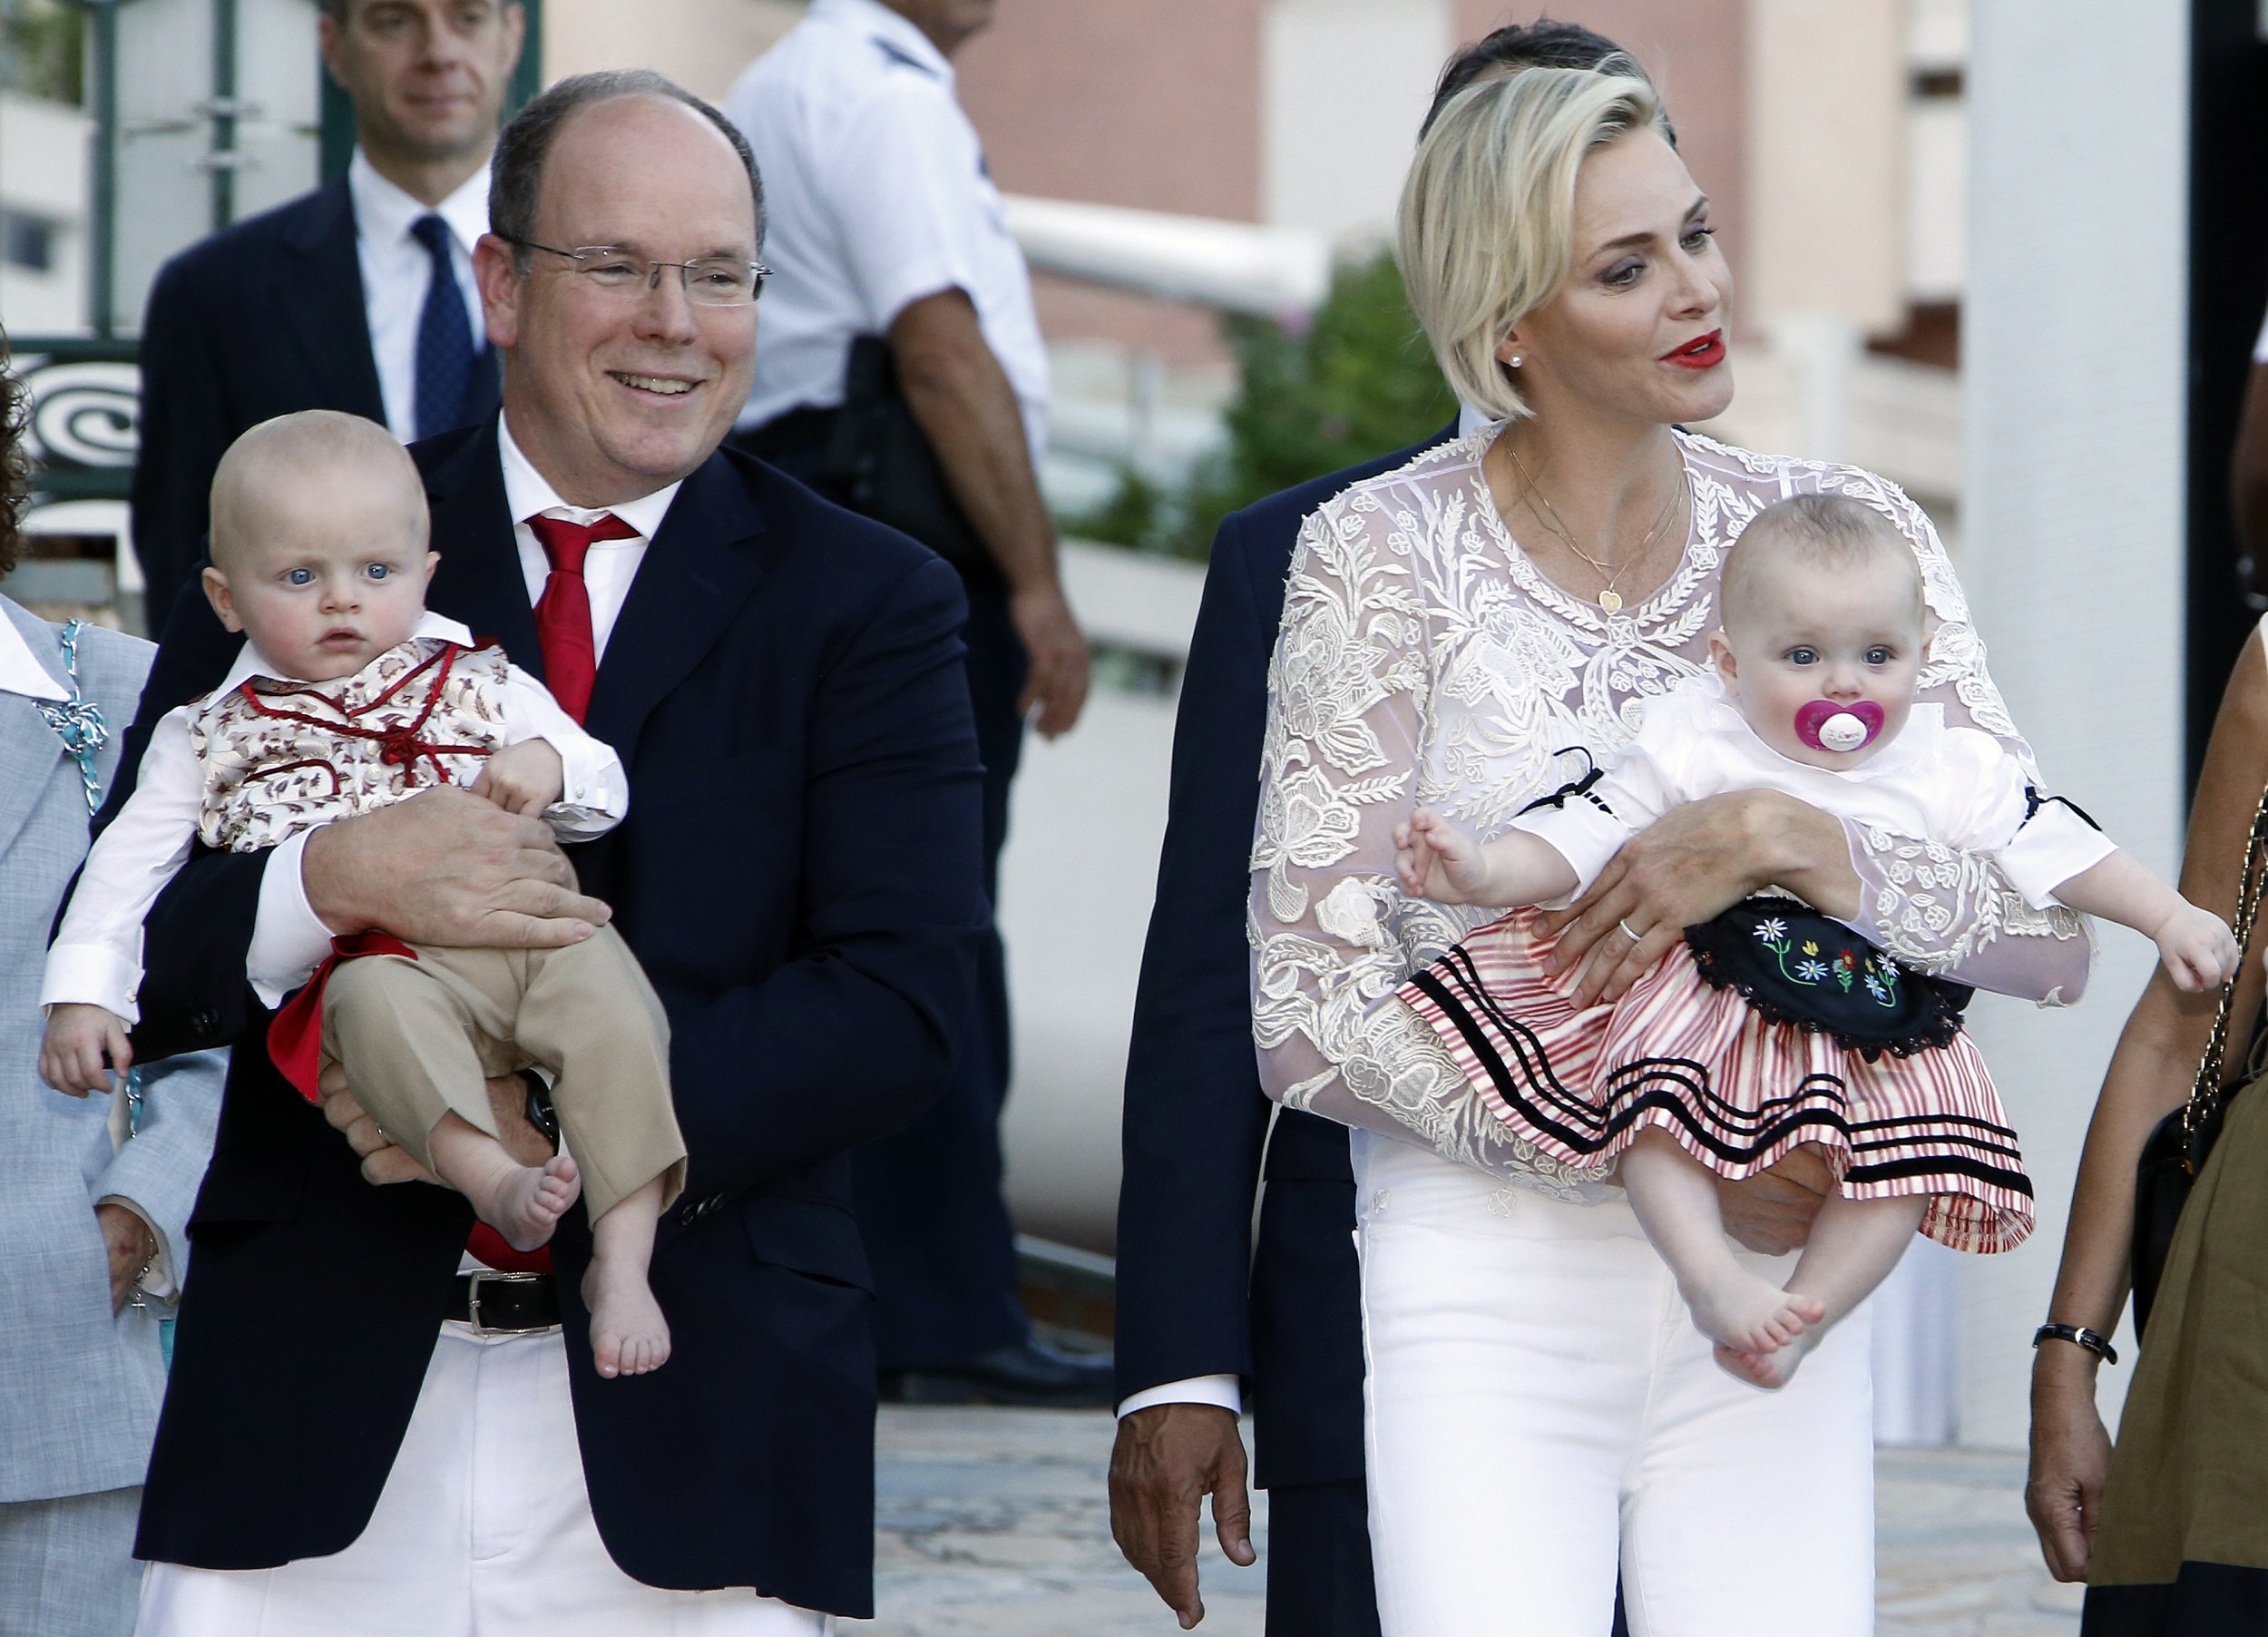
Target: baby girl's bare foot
628,1334
525,1204
1770,1370
1748,1314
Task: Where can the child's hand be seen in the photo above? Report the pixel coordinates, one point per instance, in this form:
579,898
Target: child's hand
1437,861
2198,947
79,1040
524,779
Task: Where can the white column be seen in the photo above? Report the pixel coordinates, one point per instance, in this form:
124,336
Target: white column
1344,84
2073,348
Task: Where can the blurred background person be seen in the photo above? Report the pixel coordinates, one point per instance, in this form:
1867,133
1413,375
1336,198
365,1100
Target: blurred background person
84,1220
2167,1531
902,374
358,297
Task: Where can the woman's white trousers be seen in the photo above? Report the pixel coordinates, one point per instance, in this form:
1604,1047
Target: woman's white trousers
1542,1409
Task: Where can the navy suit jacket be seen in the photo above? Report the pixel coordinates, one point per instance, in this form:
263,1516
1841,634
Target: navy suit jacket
263,318
1195,1296
800,876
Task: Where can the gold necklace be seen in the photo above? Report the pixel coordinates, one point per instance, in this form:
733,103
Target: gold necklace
1609,599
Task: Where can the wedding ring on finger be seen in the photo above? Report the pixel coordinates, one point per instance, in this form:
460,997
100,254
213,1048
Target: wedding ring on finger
1636,938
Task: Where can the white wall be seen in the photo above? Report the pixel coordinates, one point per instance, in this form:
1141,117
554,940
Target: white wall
42,173
2075,341
1344,85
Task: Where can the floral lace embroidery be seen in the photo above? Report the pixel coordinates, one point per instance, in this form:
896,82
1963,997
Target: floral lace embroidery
1423,658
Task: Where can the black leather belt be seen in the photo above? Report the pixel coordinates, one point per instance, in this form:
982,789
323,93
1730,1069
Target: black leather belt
502,1303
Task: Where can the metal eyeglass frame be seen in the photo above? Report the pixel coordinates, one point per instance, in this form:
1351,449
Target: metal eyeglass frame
758,271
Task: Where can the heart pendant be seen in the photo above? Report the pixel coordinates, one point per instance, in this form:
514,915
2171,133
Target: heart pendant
1609,600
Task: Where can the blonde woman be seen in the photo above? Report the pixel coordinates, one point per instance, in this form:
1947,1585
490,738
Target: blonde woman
1539,1406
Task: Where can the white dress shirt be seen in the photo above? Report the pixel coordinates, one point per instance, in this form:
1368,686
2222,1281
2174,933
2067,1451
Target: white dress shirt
96,959
20,670
877,195
289,941
396,272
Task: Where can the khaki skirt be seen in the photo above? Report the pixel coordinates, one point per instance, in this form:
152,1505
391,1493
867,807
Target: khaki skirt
2182,1547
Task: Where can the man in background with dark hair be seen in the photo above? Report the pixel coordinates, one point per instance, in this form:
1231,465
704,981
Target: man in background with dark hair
1203,1312
358,297
366,1429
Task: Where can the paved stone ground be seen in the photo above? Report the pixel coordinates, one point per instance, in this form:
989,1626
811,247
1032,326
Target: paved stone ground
993,1523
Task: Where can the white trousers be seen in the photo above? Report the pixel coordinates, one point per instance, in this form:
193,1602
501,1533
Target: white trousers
1542,1409
483,1530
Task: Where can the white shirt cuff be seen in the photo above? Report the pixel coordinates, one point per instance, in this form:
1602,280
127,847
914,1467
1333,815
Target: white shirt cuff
287,942
1220,1390
92,975
157,1278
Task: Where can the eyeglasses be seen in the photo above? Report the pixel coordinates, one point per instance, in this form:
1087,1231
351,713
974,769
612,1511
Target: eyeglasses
711,281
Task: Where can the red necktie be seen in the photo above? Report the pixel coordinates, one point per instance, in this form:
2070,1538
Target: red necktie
571,664
563,614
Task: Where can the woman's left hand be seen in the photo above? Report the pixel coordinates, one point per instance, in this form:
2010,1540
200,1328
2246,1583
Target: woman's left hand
1692,863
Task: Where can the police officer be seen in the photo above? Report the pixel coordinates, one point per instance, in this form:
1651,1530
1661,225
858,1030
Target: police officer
902,373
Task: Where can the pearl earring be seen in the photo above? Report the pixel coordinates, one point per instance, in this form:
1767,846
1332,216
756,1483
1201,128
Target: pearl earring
1514,360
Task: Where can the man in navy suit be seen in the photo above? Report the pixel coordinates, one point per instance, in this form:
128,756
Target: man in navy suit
355,1419
1204,1310
358,297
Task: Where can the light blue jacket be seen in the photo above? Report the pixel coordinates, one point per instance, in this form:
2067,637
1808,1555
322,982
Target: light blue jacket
82,1386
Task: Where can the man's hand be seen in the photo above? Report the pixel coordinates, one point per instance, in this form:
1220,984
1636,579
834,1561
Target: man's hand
1688,866
1060,662
1772,1212
131,1246
523,779
1166,1457
448,867
385,1163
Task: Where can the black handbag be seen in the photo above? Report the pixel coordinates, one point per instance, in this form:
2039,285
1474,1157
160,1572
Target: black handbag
879,463
2176,1150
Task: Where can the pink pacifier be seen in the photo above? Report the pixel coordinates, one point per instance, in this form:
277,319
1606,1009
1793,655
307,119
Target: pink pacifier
1825,725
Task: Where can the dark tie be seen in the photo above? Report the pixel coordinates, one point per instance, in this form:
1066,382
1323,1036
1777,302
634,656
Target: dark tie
562,613
444,337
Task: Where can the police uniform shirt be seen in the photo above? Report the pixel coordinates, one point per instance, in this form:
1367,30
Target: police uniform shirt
876,195
397,270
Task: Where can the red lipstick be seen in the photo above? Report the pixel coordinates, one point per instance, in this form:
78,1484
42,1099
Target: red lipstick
1705,353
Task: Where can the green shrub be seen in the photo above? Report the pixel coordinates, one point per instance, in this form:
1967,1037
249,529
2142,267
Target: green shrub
1357,382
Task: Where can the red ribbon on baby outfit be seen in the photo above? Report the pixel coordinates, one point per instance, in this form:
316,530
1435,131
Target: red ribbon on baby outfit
295,1035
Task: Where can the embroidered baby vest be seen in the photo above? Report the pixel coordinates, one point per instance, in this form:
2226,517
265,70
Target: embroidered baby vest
283,757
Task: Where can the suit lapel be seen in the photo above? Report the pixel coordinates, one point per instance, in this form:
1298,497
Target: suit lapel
480,580
29,749
703,564
327,311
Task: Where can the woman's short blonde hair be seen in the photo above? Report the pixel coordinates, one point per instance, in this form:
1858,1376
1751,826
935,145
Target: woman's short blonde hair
1487,223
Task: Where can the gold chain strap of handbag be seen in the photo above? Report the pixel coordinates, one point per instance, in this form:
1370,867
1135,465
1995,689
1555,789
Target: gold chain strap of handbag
2204,1094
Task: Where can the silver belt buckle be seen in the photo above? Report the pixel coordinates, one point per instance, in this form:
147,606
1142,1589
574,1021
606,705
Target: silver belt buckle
491,1276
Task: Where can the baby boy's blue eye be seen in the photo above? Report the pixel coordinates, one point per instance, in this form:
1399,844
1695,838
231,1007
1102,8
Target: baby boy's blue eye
1878,656
1802,656
299,576
378,571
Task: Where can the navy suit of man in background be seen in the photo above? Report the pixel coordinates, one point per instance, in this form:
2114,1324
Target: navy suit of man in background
358,297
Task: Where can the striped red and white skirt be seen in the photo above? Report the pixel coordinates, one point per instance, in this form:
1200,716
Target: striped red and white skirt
1736,1091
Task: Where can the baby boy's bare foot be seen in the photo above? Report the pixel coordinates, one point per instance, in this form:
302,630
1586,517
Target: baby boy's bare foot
629,1336
1748,1314
525,1204
1770,1370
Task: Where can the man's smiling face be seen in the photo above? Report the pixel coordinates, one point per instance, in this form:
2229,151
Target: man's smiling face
614,394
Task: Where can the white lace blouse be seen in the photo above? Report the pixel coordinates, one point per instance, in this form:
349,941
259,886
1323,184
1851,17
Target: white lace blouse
1423,658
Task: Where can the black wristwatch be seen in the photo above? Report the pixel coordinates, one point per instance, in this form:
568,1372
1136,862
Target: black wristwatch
541,1114
2078,1335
